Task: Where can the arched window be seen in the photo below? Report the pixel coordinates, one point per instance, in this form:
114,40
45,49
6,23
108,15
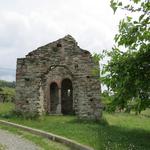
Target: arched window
67,97
54,99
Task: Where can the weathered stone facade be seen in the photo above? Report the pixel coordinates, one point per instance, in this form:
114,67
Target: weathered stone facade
57,79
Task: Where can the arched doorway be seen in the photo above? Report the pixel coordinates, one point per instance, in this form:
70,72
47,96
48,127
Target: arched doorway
54,98
66,97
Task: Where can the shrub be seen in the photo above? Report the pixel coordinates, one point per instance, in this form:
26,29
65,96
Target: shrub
25,115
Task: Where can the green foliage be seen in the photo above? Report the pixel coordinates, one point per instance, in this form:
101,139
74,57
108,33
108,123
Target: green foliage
97,57
146,113
25,115
114,5
127,74
7,94
7,84
7,91
6,108
107,101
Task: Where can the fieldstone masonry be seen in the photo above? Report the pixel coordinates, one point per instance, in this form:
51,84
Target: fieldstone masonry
58,79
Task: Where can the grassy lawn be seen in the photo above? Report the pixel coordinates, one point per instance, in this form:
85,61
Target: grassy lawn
6,108
146,113
121,132
41,142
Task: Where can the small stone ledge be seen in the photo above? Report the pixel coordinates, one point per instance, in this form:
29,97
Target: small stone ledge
70,143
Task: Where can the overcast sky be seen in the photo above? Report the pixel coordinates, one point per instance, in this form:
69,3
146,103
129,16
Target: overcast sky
28,24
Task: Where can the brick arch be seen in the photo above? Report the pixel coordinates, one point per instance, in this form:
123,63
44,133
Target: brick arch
58,82
56,74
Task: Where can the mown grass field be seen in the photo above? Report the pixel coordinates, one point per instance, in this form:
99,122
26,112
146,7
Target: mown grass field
115,132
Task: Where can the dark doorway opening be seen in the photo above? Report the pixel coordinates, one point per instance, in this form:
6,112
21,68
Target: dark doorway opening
67,97
54,99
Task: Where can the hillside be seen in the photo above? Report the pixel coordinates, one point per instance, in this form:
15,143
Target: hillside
7,91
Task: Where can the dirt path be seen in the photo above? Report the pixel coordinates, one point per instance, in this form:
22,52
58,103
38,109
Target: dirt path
9,141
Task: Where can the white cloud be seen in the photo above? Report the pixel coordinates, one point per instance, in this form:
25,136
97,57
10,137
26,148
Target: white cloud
28,24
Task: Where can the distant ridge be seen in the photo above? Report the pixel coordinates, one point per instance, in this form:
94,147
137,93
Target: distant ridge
7,74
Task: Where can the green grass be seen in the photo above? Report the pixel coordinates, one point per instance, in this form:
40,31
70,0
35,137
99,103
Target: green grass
5,108
146,113
41,142
8,90
123,131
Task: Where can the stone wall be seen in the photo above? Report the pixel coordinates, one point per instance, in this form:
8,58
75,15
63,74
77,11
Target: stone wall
53,63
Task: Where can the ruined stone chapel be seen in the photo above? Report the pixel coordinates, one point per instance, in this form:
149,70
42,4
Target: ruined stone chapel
58,79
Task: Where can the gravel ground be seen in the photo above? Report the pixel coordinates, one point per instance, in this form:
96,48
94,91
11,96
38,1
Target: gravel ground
15,142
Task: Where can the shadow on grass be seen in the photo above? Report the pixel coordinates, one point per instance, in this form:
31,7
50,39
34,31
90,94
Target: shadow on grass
99,135
103,121
123,138
115,137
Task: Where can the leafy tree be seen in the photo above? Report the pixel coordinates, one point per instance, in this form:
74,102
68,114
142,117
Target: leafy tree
127,73
7,84
7,94
7,91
